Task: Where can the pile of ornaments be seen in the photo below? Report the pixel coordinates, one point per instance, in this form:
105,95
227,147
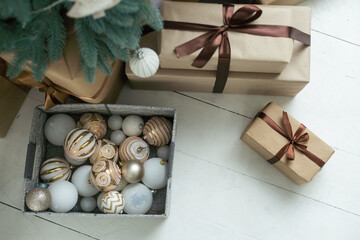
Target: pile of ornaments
112,167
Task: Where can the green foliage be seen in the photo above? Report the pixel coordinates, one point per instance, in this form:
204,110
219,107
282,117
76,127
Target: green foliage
37,37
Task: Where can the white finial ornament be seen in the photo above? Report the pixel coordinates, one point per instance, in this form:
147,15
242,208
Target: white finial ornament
96,8
144,63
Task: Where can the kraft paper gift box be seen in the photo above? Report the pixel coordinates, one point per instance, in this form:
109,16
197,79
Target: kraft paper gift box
279,2
309,153
67,74
249,53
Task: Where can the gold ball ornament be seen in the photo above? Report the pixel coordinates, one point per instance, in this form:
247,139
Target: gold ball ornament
105,149
105,175
95,123
132,171
157,131
38,199
55,169
79,144
134,148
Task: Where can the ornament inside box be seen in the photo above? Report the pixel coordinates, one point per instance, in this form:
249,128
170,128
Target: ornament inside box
46,150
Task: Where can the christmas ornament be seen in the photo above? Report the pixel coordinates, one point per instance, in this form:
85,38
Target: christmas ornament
98,201
138,198
105,149
55,169
121,184
144,63
134,148
95,123
63,196
157,131
88,204
117,137
163,152
112,202
38,199
133,125
81,180
115,122
84,8
57,127
156,173
132,171
79,144
40,184
74,162
105,175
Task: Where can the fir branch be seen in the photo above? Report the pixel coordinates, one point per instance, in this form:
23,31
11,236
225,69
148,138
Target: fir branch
151,15
56,35
87,43
19,9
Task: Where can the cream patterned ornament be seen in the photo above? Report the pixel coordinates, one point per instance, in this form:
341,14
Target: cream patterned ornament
96,8
105,175
105,149
95,123
144,63
157,131
55,169
112,203
79,144
134,148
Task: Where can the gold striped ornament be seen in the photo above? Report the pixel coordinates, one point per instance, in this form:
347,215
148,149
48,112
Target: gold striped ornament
55,169
157,131
79,144
134,148
95,123
105,175
112,203
105,149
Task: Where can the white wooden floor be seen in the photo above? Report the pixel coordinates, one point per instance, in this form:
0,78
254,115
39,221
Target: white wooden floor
221,188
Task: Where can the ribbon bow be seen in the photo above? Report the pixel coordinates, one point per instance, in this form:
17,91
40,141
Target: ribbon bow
295,140
217,37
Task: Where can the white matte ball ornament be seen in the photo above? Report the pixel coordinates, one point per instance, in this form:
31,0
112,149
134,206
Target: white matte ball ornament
163,152
98,201
63,196
117,137
133,125
156,173
138,198
81,180
115,122
144,63
88,204
57,128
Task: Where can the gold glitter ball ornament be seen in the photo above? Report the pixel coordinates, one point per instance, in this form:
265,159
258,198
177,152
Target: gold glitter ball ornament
105,175
134,148
105,149
38,199
157,131
79,144
95,123
55,169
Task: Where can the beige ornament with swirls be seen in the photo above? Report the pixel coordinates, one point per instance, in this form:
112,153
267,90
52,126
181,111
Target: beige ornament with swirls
158,131
105,175
134,148
105,149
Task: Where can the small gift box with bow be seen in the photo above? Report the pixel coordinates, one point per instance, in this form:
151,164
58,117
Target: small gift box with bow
287,144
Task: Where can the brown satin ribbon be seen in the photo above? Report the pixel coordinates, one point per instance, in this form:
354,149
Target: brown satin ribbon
294,140
217,37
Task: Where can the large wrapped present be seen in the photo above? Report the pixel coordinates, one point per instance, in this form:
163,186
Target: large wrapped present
279,2
287,144
65,77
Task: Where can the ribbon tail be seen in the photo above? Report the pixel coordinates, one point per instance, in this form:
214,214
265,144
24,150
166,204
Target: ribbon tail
223,67
290,154
287,125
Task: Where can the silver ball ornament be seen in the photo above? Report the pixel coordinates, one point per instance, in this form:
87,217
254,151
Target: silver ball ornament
38,199
132,171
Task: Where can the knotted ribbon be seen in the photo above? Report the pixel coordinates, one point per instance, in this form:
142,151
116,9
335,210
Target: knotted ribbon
216,37
295,140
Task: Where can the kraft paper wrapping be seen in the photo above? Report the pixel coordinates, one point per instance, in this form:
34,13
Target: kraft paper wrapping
267,142
279,2
66,72
249,53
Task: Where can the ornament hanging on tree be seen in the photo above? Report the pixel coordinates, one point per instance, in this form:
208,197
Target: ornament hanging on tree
79,144
84,8
38,199
95,123
105,175
157,131
55,169
134,148
144,63
112,202
105,149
